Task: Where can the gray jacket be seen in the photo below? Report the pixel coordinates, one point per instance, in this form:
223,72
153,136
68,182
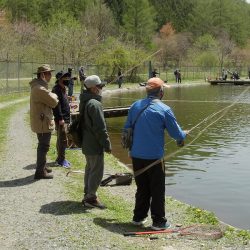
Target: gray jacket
95,136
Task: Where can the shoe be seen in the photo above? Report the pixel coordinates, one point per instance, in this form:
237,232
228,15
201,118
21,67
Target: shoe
43,175
92,203
64,163
48,170
160,226
139,222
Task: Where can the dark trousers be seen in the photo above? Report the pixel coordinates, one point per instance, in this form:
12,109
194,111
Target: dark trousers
150,191
62,141
42,150
70,89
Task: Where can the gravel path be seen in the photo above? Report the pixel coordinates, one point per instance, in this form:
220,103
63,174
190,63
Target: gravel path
22,225
31,215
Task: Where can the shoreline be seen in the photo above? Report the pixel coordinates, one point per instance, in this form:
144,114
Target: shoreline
142,88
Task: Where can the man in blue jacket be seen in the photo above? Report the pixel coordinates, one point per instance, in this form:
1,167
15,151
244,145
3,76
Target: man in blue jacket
147,149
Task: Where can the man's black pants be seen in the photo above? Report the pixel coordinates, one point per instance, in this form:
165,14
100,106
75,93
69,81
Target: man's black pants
150,191
42,150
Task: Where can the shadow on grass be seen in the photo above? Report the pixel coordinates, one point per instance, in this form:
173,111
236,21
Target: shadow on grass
63,208
115,226
18,182
33,166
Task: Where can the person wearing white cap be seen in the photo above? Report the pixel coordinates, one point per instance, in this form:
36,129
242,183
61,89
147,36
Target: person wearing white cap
95,139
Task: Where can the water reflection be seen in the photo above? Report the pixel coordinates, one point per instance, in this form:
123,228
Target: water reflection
213,171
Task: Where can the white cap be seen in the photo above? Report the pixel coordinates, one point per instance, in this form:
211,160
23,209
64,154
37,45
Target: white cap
92,81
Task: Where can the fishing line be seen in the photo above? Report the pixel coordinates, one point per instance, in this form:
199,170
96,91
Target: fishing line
214,114
138,172
126,72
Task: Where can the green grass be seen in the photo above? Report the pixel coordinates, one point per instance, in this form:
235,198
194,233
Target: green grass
12,96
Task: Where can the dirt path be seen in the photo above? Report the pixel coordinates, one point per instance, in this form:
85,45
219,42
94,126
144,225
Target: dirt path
22,225
31,215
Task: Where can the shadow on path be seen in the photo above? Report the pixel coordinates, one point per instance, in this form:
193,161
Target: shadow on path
33,166
18,182
63,208
115,226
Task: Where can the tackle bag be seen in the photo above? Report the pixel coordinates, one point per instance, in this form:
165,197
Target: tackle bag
127,138
120,179
127,133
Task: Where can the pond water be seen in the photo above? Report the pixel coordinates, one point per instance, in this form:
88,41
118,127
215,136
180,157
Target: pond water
212,172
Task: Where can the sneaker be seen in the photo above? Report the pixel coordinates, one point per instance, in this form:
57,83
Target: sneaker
64,163
160,226
139,222
92,203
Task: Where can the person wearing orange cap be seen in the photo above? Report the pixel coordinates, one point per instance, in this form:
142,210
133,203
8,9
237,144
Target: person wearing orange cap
152,117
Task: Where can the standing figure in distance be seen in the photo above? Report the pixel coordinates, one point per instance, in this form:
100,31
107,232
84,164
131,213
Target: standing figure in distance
41,117
82,77
148,148
95,140
119,78
71,82
179,76
154,73
176,75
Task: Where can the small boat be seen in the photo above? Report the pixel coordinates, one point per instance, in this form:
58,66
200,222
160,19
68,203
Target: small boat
235,82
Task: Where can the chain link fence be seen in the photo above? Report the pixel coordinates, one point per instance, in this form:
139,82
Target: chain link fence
16,75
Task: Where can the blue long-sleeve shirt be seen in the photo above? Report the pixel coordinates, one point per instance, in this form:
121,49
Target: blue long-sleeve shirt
148,138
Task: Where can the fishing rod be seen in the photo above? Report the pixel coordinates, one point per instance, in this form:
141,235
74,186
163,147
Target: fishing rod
126,72
138,172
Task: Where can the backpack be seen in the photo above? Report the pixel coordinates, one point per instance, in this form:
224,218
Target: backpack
75,132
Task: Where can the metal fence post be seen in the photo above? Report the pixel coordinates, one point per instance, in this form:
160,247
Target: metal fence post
18,72
7,73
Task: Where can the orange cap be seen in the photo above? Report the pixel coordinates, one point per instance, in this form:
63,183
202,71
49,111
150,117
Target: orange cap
154,83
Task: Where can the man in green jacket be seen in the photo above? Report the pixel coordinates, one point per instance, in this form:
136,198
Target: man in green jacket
95,139
41,117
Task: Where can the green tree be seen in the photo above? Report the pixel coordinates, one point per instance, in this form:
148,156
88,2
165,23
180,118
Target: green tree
117,7
216,16
98,17
174,11
139,21
63,39
116,54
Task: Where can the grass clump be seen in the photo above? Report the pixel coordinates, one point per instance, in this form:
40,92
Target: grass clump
198,215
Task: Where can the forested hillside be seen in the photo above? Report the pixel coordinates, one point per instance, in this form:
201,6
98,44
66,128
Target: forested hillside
121,33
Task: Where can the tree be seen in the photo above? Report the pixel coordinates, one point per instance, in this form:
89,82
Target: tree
173,46
139,21
116,54
174,11
231,16
99,18
117,7
65,39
